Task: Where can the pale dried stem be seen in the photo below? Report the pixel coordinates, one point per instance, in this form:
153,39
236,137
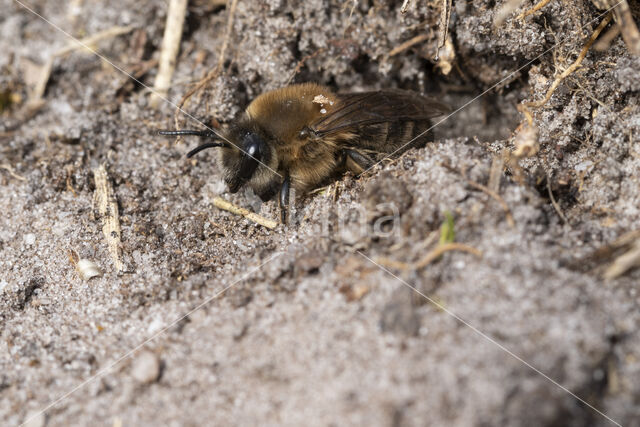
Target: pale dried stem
45,74
624,262
433,255
534,9
220,203
573,67
12,172
169,53
107,206
409,43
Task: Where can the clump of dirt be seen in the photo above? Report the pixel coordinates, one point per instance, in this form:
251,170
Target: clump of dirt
347,310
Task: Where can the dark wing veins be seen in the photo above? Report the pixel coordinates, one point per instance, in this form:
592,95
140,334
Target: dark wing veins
366,108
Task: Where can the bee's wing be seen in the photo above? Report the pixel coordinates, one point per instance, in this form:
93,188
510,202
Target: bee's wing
358,109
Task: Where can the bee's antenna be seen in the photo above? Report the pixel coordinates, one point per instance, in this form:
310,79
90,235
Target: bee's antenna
199,148
200,133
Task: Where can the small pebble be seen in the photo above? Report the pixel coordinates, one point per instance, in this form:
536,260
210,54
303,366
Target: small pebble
88,269
29,239
146,367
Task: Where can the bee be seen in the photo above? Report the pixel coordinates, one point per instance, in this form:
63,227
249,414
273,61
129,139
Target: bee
304,135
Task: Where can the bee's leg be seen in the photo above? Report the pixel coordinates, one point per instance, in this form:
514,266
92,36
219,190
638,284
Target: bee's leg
284,198
357,162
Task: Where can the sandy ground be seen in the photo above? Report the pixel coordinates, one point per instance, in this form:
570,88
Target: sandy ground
235,324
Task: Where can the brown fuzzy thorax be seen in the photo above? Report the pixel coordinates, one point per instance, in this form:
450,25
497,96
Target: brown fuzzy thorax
283,114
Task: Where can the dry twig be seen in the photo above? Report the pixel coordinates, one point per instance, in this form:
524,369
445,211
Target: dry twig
409,43
624,19
447,247
629,245
443,27
573,67
495,173
220,203
41,85
496,197
621,242
606,40
405,6
170,47
630,33
12,172
302,62
534,9
107,206
434,254
624,262
555,204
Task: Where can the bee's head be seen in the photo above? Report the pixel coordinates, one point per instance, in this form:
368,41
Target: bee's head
245,147
249,150
244,150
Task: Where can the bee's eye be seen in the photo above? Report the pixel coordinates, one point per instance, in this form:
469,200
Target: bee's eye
252,149
252,154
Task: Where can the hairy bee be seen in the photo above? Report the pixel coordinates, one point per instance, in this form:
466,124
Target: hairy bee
304,135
